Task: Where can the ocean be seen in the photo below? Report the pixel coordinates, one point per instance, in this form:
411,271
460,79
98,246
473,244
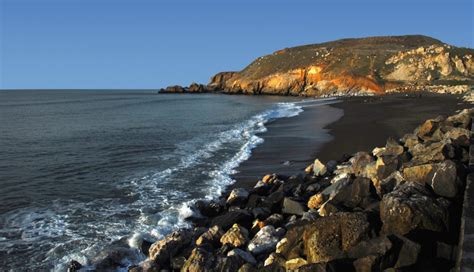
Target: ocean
81,171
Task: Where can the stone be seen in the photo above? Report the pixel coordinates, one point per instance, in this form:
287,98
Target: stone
74,266
247,268
377,246
432,152
408,253
226,220
425,130
236,236
178,262
209,209
462,119
359,161
264,241
211,236
410,140
295,263
291,206
442,177
387,184
330,238
163,250
331,166
275,219
367,264
358,193
274,260
229,263
281,245
200,261
310,215
274,201
411,206
316,201
246,256
459,136
319,169
237,195
309,169
261,213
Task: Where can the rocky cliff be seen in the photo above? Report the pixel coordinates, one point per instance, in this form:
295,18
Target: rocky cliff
373,65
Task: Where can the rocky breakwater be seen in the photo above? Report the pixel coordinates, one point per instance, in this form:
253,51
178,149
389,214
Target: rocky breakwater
347,67
396,208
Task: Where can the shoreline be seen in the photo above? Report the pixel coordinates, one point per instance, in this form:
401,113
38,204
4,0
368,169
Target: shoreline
366,122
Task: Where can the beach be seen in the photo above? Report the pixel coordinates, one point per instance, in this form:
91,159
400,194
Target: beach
292,144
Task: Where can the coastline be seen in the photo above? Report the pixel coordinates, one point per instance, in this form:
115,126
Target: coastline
366,122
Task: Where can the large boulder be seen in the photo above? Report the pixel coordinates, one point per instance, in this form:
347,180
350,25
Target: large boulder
442,177
226,220
412,206
462,119
237,195
200,261
330,238
236,236
211,236
163,250
246,256
291,206
426,130
264,241
431,152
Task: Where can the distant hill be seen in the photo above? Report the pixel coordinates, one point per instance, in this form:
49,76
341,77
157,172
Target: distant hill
373,65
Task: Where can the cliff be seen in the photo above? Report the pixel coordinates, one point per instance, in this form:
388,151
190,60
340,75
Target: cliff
373,65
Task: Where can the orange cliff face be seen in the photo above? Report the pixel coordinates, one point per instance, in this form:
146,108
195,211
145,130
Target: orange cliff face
373,65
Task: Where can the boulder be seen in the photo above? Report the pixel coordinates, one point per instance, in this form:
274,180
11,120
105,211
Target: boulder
163,250
410,140
316,201
330,238
367,264
359,162
442,177
358,193
226,220
374,247
408,251
200,261
274,260
236,236
389,183
458,136
462,119
209,209
275,219
274,201
431,152
426,130
229,263
295,263
319,169
291,206
261,213
237,195
246,256
264,241
412,206
211,236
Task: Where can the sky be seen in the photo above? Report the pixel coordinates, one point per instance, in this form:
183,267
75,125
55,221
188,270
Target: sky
141,44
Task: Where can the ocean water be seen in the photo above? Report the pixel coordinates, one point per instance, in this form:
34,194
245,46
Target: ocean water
81,170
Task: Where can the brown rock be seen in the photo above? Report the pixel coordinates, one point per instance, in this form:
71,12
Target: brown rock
163,250
329,238
236,236
211,236
199,261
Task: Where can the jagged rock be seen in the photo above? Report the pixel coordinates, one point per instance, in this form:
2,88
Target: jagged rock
377,246
196,88
319,169
330,238
208,209
246,256
411,206
410,140
200,261
275,219
295,263
264,241
163,250
291,206
237,195
367,264
358,193
432,152
426,130
316,201
408,252
458,136
442,177
274,201
211,236
229,263
226,220
359,162
389,183
74,266
462,119
236,236
274,260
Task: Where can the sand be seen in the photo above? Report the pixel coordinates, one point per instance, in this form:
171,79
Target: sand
293,143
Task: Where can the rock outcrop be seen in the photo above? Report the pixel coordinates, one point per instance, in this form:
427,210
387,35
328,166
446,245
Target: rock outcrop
364,66
394,209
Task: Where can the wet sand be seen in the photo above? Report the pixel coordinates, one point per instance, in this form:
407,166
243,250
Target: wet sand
293,143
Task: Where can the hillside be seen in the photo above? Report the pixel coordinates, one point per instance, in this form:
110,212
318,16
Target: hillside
373,65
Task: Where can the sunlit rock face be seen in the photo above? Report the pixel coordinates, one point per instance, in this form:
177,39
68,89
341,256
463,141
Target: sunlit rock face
372,65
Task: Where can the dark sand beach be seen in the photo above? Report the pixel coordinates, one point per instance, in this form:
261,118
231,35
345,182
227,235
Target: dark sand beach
292,144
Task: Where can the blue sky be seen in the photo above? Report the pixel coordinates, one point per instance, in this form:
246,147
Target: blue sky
155,43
